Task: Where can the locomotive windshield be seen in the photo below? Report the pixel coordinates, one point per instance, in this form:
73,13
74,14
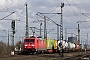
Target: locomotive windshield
29,40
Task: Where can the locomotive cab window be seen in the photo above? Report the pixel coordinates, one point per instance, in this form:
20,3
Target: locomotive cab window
30,40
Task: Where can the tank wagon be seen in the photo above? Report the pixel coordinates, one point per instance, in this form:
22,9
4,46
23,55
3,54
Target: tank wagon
68,46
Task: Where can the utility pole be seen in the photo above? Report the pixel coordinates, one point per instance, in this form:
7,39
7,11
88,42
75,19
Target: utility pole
27,31
40,29
87,38
61,29
45,30
65,33
61,23
78,34
12,41
79,30
58,32
8,37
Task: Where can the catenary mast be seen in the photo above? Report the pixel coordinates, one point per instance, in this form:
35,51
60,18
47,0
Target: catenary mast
27,31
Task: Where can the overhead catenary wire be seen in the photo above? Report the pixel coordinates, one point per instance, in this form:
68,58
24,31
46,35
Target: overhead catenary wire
48,19
7,16
55,14
80,11
4,9
86,16
15,12
81,14
10,11
71,32
76,14
72,10
54,10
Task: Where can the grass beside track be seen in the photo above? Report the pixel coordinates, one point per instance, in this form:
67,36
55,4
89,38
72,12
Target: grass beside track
1,49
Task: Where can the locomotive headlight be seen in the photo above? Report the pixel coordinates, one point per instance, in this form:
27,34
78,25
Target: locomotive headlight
15,47
32,45
25,45
20,49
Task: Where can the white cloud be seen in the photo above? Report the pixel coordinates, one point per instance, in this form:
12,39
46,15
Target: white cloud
1,27
9,1
12,3
42,7
3,2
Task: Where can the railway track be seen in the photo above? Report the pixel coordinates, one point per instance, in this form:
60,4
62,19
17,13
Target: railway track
79,56
67,56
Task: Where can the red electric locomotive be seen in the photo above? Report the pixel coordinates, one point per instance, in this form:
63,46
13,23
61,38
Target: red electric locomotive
34,45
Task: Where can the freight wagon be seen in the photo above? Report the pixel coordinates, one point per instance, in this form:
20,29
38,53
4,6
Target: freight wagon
51,45
68,46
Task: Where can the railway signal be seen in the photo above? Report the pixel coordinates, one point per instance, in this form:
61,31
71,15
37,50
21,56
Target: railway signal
13,24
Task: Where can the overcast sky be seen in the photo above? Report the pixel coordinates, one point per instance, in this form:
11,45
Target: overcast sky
72,13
